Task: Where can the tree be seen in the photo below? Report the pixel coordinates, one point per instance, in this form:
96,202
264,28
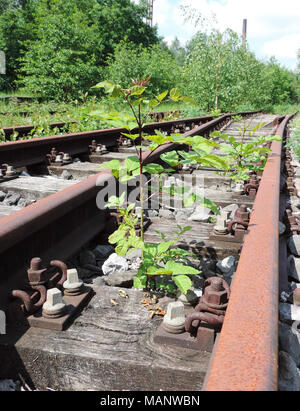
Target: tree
134,62
16,26
68,40
178,51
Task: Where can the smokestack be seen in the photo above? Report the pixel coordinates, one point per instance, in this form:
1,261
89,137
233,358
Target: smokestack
244,31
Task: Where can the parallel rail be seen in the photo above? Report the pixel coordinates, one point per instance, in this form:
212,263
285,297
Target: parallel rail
59,225
26,153
246,354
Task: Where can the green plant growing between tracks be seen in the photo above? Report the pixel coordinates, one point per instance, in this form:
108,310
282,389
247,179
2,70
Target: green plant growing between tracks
244,157
163,258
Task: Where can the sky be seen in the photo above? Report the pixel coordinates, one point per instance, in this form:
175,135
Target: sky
273,25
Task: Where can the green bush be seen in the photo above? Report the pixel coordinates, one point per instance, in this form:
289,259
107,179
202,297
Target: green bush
131,62
69,42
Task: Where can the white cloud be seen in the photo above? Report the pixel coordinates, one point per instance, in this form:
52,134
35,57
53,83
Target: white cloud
273,25
286,46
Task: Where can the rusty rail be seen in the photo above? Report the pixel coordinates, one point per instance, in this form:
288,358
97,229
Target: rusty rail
59,225
245,357
30,152
55,227
24,153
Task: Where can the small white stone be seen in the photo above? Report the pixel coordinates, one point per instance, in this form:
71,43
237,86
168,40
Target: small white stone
227,264
201,214
294,267
115,263
294,245
138,211
289,312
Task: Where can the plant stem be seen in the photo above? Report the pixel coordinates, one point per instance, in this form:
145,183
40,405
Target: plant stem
141,178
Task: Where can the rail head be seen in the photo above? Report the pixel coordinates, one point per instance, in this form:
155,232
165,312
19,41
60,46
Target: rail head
246,353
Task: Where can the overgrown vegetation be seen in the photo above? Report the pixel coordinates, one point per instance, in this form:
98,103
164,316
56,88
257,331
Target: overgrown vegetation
294,140
56,48
155,257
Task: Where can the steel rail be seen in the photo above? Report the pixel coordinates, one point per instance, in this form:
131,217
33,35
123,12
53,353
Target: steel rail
57,226
30,152
24,153
245,357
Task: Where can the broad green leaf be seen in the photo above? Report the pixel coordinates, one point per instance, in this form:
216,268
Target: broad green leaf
158,138
183,283
153,103
132,163
111,165
161,96
171,158
163,247
153,168
140,281
104,84
122,247
158,271
150,250
215,161
137,90
174,94
131,136
178,269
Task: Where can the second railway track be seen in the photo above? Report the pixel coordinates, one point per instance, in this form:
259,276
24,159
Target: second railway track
106,338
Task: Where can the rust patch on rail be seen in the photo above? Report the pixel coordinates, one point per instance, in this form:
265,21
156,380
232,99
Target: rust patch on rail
245,357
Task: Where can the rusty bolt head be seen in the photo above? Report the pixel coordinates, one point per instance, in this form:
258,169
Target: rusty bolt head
242,213
36,274
215,293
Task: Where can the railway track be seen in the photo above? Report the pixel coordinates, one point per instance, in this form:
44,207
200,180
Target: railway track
66,224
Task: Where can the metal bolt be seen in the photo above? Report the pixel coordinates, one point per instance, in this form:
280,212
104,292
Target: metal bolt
222,221
174,319
242,213
37,275
10,171
54,307
138,211
66,157
58,158
35,263
239,188
73,285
